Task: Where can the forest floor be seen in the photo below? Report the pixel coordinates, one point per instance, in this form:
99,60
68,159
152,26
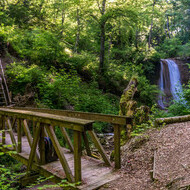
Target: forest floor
157,160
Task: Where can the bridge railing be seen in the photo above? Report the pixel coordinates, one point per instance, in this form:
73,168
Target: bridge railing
116,121
44,123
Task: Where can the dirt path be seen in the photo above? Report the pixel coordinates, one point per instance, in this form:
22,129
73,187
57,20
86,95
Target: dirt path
160,153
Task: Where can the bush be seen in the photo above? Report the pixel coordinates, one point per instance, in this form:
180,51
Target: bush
39,46
170,47
63,90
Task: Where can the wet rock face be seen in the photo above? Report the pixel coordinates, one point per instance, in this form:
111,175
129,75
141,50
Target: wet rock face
184,69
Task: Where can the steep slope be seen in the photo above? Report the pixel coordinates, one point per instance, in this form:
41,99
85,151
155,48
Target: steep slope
156,160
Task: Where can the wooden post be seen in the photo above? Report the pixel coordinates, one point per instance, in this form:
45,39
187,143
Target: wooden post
3,128
77,155
19,132
42,145
33,127
117,154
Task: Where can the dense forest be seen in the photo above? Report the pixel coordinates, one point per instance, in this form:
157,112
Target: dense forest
81,54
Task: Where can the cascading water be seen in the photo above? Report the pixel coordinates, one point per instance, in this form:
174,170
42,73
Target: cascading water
169,82
161,85
176,87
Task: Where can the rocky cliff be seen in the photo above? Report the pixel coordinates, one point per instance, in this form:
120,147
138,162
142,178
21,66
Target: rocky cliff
184,69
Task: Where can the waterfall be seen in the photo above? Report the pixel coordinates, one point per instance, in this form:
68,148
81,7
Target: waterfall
176,87
169,82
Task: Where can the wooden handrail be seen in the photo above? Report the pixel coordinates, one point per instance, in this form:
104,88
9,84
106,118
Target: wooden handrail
113,119
46,122
62,121
117,122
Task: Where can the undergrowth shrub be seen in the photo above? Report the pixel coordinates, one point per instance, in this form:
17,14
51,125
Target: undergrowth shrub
60,90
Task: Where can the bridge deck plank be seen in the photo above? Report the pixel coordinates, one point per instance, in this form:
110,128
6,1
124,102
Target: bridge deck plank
94,171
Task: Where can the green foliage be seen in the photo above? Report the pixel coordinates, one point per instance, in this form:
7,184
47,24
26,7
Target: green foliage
138,129
179,108
184,50
39,46
170,47
24,77
10,171
8,179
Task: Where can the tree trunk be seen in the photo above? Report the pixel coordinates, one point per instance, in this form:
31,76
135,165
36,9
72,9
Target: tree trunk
136,38
127,97
109,48
62,20
170,120
78,31
102,49
128,106
168,27
150,33
102,38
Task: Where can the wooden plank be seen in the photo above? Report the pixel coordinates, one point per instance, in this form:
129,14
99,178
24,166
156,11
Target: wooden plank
42,145
77,156
67,138
104,179
22,157
99,147
114,119
93,170
54,120
86,143
19,137
117,154
34,146
60,154
29,137
11,134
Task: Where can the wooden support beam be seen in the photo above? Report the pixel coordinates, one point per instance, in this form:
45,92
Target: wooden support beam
3,128
11,133
99,147
42,145
19,132
51,119
117,154
34,146
33,127
67,138
77,156
60,154
29,137
13,122
29,179
27,132
86,144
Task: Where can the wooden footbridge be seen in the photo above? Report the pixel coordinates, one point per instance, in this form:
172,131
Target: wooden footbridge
23,131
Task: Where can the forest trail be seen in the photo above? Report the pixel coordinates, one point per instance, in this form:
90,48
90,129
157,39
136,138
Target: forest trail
159,159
